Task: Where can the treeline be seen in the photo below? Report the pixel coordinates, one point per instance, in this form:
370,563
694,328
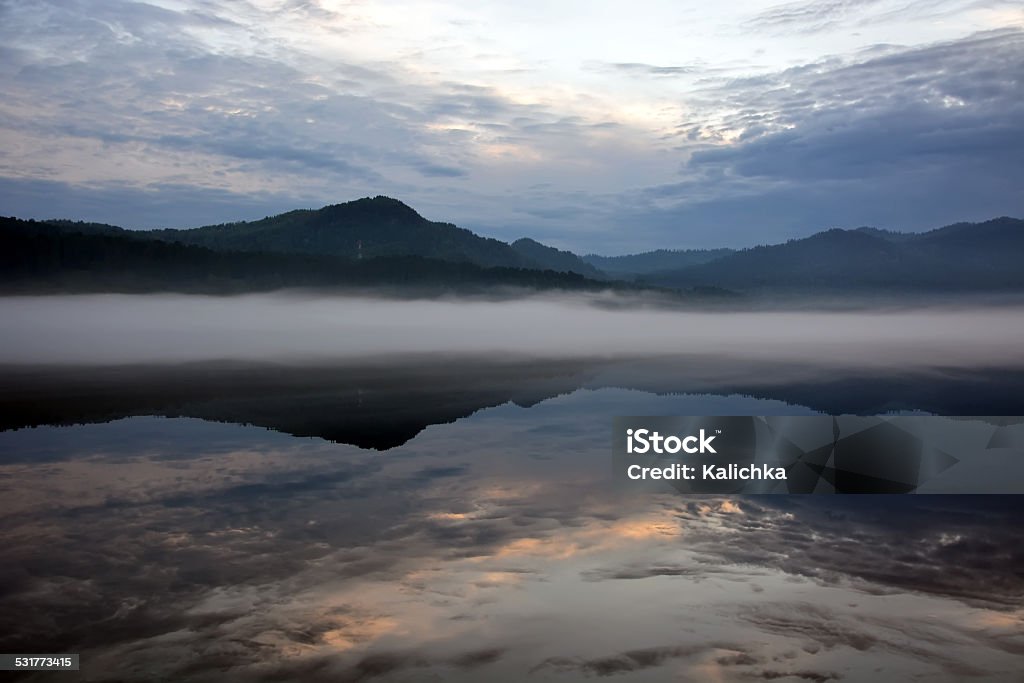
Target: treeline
965,257
41,257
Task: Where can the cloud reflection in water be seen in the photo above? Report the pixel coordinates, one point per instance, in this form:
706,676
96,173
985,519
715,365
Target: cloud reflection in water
492,548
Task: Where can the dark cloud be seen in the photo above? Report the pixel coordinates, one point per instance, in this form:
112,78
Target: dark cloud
440,171
954,105
895,137
379,665
832,630
646,572
910,140
813,676
632,660
928,552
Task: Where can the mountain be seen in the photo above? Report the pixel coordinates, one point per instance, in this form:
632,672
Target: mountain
963,257
381,242
369,227
554,259
654,261
998,234
888,235
364,228
40,257
94,228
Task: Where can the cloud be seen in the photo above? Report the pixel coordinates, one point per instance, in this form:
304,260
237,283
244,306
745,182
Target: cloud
380,665
439,171
297,100
631,660
912,139
165,99
904,558
831,630
810,16
954,105
824,15
159,94
813,676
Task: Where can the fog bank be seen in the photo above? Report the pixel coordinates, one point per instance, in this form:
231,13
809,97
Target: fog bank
109,329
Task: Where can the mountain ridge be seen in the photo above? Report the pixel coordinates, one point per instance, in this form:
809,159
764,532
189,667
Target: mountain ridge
960,256
39,257
555,259
964,256
653,261
367,227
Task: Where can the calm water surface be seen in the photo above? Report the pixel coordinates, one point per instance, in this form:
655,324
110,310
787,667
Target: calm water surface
488,548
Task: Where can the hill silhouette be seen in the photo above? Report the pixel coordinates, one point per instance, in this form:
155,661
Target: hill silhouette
554,259
632,265
960,257
41,257
381,241
370,227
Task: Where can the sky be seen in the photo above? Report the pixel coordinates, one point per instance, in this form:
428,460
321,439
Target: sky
596,126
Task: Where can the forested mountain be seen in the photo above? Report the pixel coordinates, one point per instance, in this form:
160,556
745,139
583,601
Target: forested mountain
964,257
654,261
555,259
371,227
381,241
41,257
364,228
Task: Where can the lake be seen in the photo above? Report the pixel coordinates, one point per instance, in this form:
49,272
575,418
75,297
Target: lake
288,488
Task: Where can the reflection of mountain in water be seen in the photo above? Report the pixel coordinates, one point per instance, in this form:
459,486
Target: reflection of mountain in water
370,406
383,404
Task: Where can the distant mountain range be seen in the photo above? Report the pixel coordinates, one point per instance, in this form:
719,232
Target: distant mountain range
555,259
960,257
380,241
40,257
634,265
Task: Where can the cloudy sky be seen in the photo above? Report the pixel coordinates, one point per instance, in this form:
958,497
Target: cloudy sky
606,127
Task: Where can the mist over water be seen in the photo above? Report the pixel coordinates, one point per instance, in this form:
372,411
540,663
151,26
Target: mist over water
105,329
